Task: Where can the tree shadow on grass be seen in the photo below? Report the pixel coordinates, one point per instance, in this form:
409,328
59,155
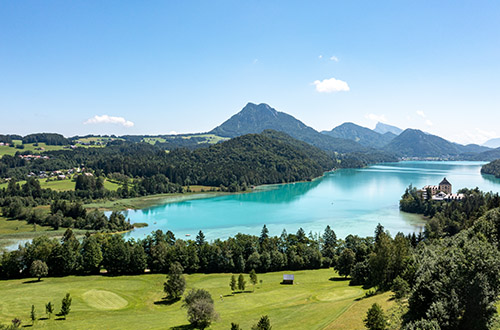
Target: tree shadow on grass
27,325
43,318
339,279
183,327
167,301
31,281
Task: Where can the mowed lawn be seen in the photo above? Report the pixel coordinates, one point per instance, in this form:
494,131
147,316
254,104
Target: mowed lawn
135,302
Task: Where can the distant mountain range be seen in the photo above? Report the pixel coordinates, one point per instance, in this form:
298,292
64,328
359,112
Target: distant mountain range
385,128
362,135
255,118
493,143
349,138
415,143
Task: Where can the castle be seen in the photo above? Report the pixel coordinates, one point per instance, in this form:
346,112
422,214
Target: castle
440,192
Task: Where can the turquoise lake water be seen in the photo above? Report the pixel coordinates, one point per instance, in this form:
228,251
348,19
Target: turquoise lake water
351,201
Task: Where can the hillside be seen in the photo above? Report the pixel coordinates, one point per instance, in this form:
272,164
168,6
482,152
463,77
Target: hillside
489,155
385,128
255,118
310,151
415,143
362,135
492,168
251,159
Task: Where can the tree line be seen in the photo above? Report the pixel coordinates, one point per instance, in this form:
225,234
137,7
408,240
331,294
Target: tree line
492,168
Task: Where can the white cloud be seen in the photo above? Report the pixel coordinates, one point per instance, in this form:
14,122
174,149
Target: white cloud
105,119
428,122
421,114
334,58
320,57
378,118
172,133
331,85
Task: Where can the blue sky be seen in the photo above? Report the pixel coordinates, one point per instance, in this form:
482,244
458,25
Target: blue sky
150,67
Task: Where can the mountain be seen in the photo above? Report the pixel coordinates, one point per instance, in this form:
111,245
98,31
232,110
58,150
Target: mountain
384,128
492,143
489,155
415,143
471,148
255,118
360,134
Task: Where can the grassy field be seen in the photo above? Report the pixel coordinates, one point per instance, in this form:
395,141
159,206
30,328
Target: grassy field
209,138
135,302
6,150
64,185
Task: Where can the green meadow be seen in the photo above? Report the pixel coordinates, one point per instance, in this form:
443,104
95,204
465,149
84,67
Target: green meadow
317,300
64,185
7,150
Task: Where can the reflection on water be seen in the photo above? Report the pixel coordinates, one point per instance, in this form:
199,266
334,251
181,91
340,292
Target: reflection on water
351,201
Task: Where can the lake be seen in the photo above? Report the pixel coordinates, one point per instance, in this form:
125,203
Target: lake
351,201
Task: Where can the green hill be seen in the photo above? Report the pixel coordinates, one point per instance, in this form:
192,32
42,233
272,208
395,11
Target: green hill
362,135
252,159
492,168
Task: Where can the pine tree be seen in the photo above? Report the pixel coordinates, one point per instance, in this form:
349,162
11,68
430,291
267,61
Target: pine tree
66,305
232,283
263,324
375,318
33,314
253,278
241,283
49,309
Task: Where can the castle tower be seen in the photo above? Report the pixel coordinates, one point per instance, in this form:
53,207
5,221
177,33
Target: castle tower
445,186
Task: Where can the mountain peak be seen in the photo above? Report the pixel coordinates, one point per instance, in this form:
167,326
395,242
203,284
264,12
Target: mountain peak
255,118
261,108
384,128
360,134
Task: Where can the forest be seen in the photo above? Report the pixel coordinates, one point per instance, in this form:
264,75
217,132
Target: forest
492,168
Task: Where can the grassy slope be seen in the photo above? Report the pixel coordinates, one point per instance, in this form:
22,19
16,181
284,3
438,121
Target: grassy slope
128,302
